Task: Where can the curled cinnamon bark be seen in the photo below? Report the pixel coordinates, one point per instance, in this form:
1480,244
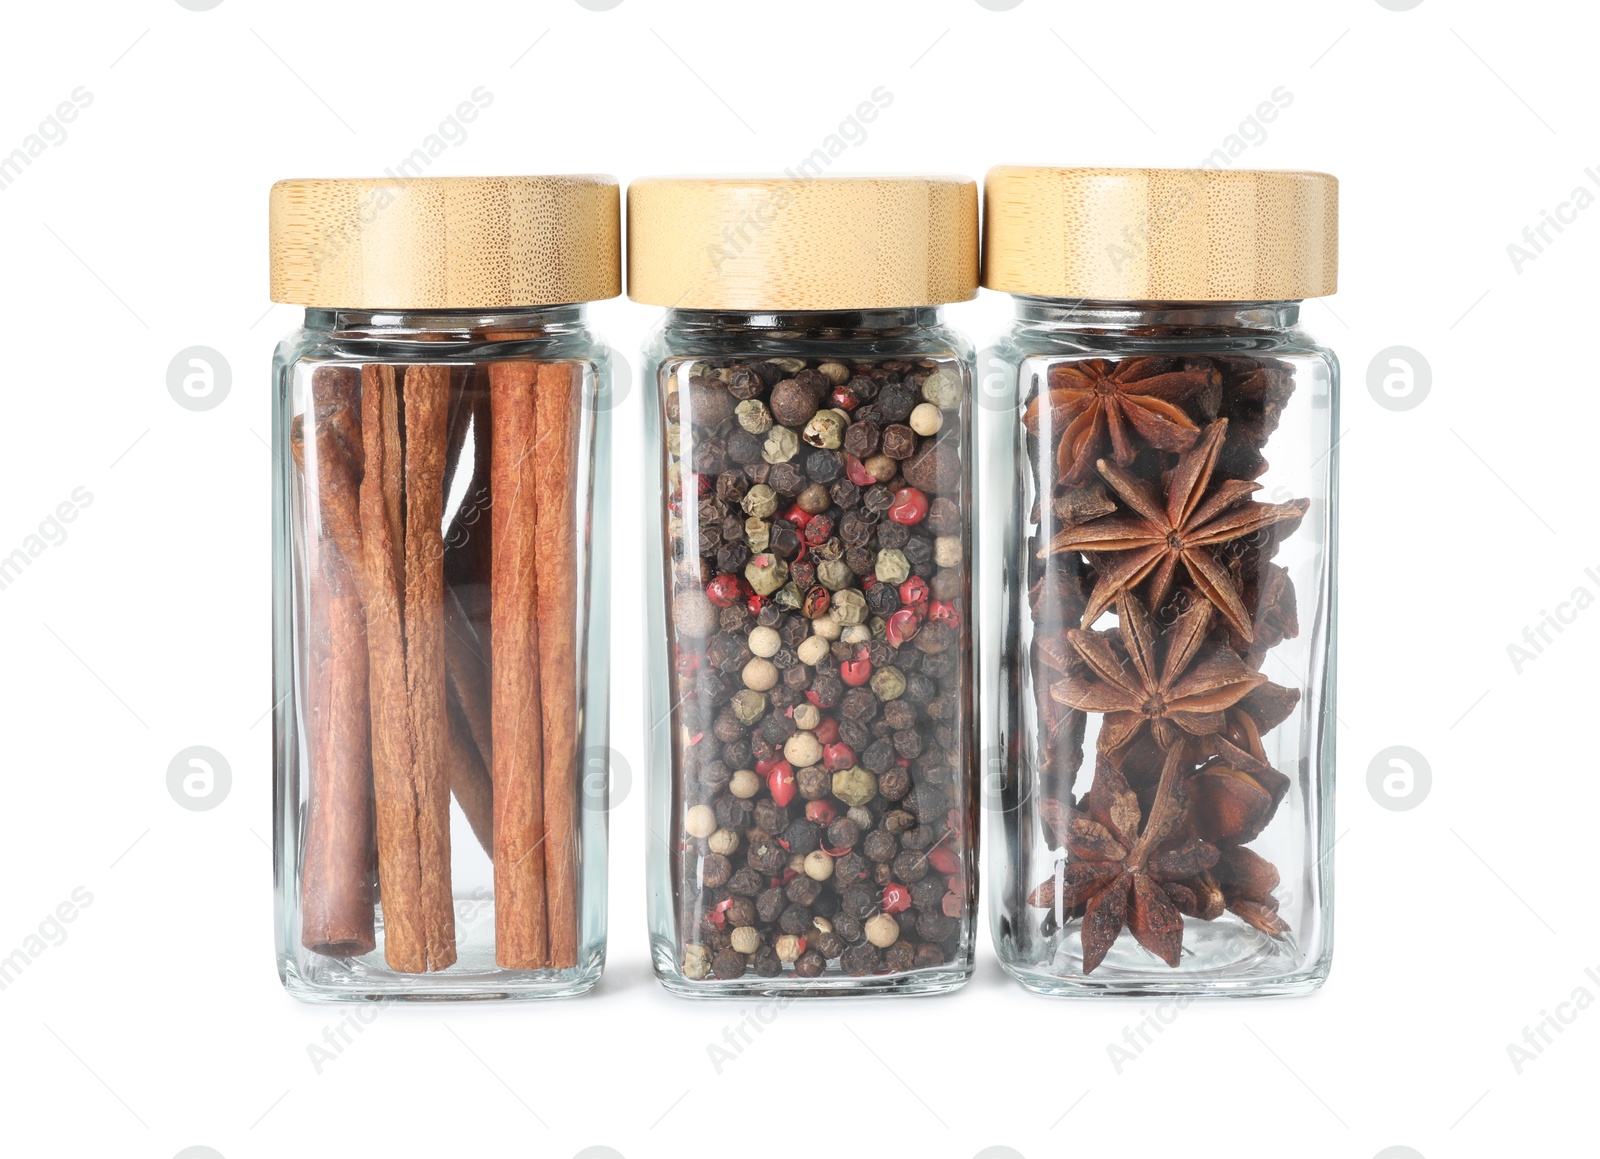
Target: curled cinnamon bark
521,937
558,392
336,897
413,839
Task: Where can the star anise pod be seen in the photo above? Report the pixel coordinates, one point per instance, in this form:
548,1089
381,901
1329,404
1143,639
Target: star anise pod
1095,401
1122,868
1172,683
1247,880
1159,536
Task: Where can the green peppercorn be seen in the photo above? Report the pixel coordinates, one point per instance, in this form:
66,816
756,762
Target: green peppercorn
825,429
782,445
849,607
889,683
892,567
834,574
765,573
943,389
696,961
760,501
854,786
754,416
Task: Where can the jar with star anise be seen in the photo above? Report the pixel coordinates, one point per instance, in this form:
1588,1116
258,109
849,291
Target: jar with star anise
1162,752
813,787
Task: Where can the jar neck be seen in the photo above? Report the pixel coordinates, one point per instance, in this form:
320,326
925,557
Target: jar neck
523,323
1159,319
807,325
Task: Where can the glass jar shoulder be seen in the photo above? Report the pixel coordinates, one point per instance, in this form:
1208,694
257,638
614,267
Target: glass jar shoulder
862,337
555,334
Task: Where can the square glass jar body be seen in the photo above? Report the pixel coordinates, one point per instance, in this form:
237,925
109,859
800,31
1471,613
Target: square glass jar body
813,696
385,801
1166,526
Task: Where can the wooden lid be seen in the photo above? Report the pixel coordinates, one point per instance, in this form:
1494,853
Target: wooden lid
435,243
1161,235
797,243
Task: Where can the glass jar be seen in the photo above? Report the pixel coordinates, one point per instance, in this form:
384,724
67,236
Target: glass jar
1165,717
439,630
812,780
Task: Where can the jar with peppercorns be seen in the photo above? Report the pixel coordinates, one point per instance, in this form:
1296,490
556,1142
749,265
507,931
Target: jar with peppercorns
813,796
1163,804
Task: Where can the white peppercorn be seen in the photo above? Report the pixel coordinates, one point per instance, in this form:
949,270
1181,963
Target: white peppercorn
856,634
787,948
700,821
747,940
837,373
802,750
947,550
765,641
807,716
819,866
926,419
813,650
744,784
760,674
723,841
827,627
881,930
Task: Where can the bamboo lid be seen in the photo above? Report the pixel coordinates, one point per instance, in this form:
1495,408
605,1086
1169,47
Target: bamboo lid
1173,235
797,243
435,243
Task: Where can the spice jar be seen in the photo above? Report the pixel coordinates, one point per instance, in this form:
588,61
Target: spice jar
440,437
813,729
1164,725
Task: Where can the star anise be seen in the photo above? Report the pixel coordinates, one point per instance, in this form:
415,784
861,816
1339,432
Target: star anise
1093,401
1122,868
1247,880
1173,683
1183,530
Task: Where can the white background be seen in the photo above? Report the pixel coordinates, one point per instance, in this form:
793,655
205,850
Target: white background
157,1023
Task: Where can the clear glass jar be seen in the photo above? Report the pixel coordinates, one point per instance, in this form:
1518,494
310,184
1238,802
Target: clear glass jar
812,789
400,666
1165,677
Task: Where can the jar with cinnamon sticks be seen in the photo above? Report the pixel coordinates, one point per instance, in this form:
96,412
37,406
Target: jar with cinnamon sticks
813,770
1165,723
439,585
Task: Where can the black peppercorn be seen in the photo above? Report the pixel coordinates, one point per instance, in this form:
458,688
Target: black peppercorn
893,784
801,837
897,959
928,955
802,891
728,964
909,866
860,900
857,960
829,945
879,845
843,833
715,870
768,965
847,927
771,817
766,856
810,964
770,904
795,919
851,867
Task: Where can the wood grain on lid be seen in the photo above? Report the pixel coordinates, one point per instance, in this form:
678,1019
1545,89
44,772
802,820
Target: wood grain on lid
445,242
1189,235
781,243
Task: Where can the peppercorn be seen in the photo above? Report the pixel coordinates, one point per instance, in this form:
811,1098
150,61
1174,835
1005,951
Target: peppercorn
769,904
728,964
810,964
851,867
771,817
781,445
879,845
766,855
859,960
814,783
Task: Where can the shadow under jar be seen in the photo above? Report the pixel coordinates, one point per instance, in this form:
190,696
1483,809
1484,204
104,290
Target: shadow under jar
812,787
439,632
1166,667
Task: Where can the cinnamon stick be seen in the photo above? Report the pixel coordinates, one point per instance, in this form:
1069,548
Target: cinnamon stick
519,864
469,779
558,393
425,392
413,851
336,898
